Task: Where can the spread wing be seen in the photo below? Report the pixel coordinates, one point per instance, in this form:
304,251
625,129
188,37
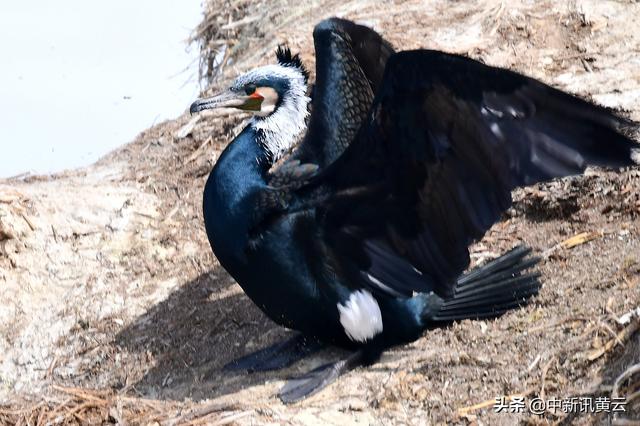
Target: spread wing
433,167
350,61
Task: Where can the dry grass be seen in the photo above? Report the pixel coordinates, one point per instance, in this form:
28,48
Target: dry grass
71,406
116,311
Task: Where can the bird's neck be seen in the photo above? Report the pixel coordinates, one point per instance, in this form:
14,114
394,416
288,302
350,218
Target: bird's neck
279,131
240,172
230,194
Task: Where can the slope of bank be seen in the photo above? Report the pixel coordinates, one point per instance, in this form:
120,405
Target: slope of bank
115,309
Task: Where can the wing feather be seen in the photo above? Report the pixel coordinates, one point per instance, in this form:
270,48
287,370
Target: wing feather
350,62
446,140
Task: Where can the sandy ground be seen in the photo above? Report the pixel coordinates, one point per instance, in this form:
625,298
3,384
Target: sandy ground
112,298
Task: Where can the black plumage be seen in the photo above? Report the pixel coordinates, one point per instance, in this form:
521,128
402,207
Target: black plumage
350,62
447,141
360,236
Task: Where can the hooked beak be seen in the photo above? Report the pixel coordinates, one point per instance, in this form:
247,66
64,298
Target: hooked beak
228,99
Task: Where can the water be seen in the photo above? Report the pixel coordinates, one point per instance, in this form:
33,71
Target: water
78,78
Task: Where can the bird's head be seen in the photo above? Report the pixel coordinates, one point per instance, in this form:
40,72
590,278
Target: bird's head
264,89
277,96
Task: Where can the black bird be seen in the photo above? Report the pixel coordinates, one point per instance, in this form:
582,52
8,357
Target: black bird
359,236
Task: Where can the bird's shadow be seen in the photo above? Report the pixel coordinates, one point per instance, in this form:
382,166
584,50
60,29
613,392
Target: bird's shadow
199,328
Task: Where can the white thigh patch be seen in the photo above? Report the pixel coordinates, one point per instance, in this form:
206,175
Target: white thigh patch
635,155
361,316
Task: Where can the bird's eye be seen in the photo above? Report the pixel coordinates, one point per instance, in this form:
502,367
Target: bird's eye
249,89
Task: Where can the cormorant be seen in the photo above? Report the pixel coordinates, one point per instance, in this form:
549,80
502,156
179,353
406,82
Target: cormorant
359,236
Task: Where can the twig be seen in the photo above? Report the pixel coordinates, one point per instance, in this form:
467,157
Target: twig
199,150
491,402
581,238
534,363
79,393
621,338
223,421
624,376
543,377
244,21
615,393
55,234
200,413
52,366
8,198
612,333
558,323
574,241
52,414
232,418
29,222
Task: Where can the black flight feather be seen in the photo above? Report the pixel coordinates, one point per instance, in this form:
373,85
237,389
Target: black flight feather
446,141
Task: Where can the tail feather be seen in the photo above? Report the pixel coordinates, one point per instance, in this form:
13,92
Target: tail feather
490,306
497,276
492,289
507,260
504,290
